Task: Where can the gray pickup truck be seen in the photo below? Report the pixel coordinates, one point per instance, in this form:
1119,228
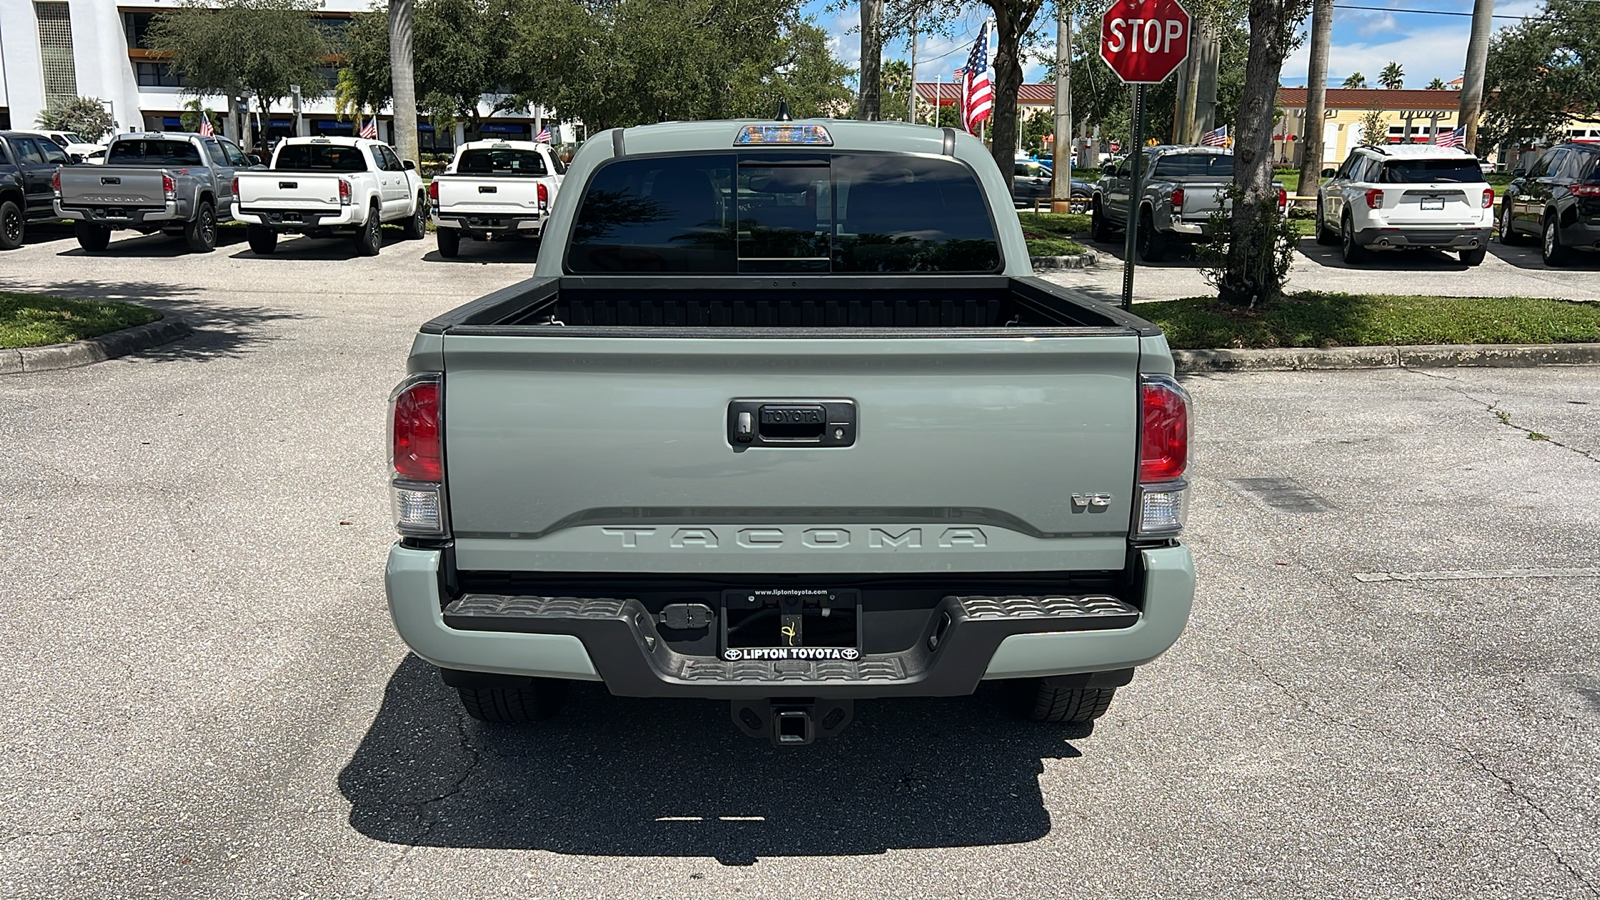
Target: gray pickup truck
175,183
1180,189
785,419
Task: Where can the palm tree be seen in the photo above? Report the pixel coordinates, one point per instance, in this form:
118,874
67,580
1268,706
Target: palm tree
1356,80
1436,85
405,79
1393,77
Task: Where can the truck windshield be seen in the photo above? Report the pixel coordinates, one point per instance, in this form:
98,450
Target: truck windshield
1192,165
725,213
1422,171
514,163
319,158
154,153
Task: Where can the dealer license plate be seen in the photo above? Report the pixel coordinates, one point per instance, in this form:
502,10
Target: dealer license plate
1432,203
779,624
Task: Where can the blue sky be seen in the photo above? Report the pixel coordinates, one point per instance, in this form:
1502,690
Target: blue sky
1426,46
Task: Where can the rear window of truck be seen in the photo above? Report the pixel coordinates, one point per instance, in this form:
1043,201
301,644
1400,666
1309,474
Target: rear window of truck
1422,171
1190,165
154,153
514,163
727,213
319,158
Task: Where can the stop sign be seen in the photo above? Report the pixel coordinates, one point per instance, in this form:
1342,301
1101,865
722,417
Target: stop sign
1143,41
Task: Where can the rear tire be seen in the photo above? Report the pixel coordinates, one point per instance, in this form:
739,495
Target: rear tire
1351,251
1508,232
370,240
417,225
1473,257
1070,706
1326,236
449,242
1099,225
515,705
1554,253
1152,242
201,231
262,240
91,237
13,225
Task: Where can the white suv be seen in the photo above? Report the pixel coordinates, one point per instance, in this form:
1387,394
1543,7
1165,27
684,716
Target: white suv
1398,198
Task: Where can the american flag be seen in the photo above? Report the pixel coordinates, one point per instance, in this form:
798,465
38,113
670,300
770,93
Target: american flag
977,89
543,137
205,125
1217,138
1456,138
370,130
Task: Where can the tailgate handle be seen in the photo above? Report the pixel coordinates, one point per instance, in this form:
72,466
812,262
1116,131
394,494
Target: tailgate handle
288,185
488,189
789,423
110,179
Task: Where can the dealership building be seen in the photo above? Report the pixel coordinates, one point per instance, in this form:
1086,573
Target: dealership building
54,50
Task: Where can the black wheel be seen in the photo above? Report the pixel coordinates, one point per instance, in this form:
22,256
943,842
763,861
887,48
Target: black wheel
417,225
1473,257
262,240
201,232
1152,243
91,237
1099,225
370,240
1325,236
1352,252
449,242
1554,253
1069,706
515,706
12,225
1508,233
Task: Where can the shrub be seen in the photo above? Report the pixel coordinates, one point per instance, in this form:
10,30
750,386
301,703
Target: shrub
84,116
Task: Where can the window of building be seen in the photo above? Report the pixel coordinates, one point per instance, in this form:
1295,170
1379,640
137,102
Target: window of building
136,25
158,74
55,49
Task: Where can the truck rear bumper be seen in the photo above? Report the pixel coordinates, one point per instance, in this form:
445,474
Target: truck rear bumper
298,219
489,223
615,640
123,217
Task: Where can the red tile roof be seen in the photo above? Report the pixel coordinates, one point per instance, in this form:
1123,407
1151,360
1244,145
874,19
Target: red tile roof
1366,98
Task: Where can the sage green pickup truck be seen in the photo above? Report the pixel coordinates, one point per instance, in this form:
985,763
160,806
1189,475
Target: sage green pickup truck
785,419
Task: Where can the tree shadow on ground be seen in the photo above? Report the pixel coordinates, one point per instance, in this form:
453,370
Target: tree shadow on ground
614,776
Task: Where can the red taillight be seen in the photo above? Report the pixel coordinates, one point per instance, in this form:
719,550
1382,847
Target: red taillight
1164,430
433,191
1283,200
55,181
236,185
1374,198
344,192
415,433
1488,198
544,197
1177,200
1578,190
169,186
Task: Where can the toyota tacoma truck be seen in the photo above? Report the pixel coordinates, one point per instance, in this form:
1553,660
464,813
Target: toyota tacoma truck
1179,190
784,419
325,186
494,189
171,182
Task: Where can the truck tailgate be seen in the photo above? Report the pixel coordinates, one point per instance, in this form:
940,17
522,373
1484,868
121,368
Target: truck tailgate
288,190
135,186
477,195
613,454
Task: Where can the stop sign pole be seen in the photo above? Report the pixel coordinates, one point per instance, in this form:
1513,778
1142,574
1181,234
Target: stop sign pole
1143,41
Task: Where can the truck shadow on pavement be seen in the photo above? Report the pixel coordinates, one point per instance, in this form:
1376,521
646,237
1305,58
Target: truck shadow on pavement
299,248
614,776
153,246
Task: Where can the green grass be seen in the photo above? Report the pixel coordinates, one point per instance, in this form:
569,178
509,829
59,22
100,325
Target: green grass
1311,319
1050,234
31,320
1053,246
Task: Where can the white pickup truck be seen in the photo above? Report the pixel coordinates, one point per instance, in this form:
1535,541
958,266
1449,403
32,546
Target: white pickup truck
494,189
331,185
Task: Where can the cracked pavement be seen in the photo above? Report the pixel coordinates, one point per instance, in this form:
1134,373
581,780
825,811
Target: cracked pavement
204,697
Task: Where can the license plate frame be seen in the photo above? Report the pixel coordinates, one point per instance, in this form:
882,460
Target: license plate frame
1433,203
790,624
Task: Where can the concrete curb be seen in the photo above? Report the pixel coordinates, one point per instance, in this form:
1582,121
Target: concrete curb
98,349
1426,356
1076,261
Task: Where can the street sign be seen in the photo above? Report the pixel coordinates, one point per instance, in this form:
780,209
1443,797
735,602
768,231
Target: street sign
1144,41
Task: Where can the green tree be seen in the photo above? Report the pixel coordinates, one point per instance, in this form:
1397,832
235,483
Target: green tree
462,52
1541,72
1374,128
895,90
1393,77
251,48
1355,81
364,73
1436,85
85,117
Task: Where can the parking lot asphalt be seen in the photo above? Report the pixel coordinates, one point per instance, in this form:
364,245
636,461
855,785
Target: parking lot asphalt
1388,687
1516,271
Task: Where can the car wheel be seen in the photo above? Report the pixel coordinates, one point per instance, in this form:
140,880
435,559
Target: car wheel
1508,234
1099,226
262,240
417,225
12,225
449,242
1325,236
1554,253
201,232
370,240
515,705
1152,242
91,237
1473,257
1069,706
1352,252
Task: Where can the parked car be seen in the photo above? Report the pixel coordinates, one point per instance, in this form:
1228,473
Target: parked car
1404,198
323,186
74,145
494,189
1558,200
1487,166
172,182
1179,189
908,468
28,163
1031,182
